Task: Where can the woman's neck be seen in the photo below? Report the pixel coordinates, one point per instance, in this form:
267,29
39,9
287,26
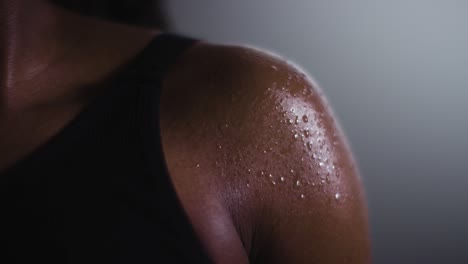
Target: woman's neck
46,51
29,43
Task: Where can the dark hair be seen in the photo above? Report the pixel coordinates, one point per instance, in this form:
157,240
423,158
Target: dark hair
137,12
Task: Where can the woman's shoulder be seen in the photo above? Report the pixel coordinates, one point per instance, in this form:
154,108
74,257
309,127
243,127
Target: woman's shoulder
245,127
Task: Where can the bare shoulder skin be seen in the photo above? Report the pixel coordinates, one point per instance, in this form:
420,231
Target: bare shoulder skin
258,161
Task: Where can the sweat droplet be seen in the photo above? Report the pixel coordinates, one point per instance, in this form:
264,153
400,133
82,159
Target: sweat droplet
274,67
269,175
296,135
282,179
302,196
198,165
298,183
337,196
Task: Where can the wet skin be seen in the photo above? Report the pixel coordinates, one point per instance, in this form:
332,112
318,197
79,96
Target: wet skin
258,162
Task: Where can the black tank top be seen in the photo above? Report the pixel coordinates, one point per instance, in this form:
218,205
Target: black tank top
99,190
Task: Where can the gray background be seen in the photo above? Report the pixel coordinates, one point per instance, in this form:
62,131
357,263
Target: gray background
395,73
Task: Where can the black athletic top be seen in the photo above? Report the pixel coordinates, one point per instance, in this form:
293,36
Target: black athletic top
99,191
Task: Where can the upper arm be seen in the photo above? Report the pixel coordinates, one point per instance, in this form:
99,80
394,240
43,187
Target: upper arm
282,166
